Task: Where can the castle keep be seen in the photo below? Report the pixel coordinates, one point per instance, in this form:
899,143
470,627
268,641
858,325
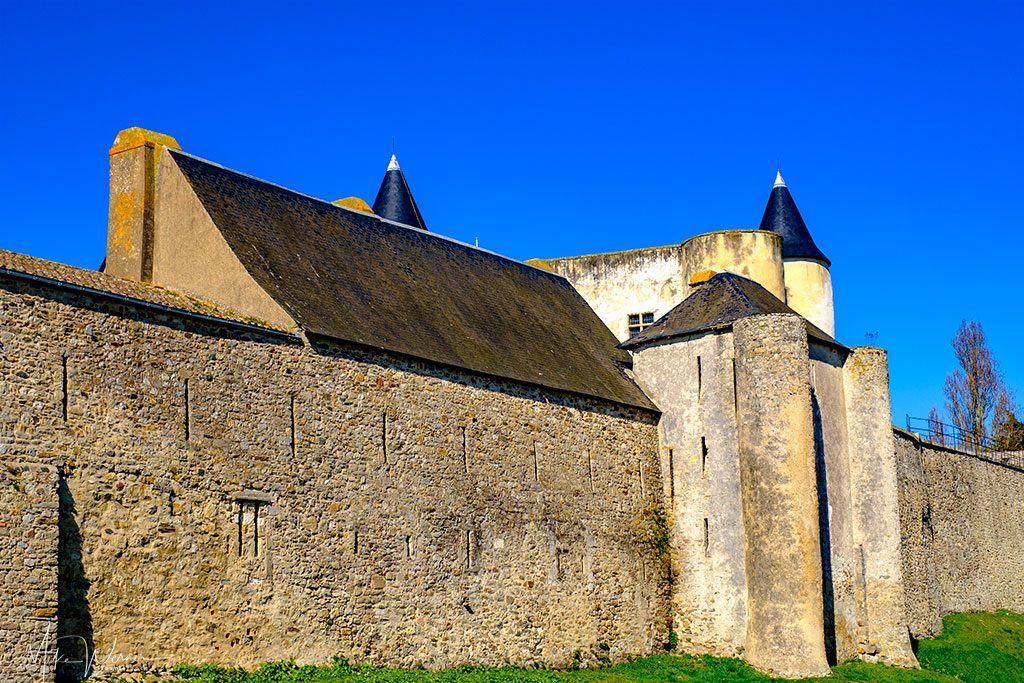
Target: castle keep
272,426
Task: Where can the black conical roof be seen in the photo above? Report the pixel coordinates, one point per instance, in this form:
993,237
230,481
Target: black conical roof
394,199
782,216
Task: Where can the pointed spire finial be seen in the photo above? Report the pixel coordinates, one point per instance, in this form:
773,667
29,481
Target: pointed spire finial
394,199
779,182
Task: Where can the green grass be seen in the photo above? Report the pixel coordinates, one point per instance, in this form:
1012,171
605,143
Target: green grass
973,648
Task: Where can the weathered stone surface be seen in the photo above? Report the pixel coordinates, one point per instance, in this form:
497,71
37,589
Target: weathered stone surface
237,499
785,631
691,380
962,540
28,570
875,500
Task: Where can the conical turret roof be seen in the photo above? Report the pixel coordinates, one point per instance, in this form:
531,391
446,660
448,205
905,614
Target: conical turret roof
394,199
782,216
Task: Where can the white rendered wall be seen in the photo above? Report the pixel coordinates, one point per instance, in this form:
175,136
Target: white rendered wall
622,283
753,254
809,292
700,462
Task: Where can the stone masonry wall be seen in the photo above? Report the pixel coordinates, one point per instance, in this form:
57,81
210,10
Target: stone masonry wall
962,530
235,498
28,569
785,626
692,381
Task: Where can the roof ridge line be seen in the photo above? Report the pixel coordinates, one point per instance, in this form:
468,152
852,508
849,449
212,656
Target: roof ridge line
365,215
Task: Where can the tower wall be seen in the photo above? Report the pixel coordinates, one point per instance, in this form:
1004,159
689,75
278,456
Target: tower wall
809,292
754,254
691,380
875,504
785,628
839,559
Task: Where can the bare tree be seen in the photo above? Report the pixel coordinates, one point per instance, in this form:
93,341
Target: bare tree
936,429
973,390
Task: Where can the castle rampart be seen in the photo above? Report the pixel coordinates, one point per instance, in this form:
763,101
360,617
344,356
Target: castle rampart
962,538
780,504
278,427
692,380
238,496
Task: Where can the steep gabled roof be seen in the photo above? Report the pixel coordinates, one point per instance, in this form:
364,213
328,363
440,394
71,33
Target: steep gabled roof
356,278
394,198
782,216
716,305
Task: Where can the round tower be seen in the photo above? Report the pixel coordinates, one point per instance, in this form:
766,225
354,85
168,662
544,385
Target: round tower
805,266
754,254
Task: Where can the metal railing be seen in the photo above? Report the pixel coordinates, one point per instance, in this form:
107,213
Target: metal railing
970,443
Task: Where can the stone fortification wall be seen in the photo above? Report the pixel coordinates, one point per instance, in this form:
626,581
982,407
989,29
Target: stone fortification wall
28,569
237,498
692,381
840,562
963,538
622,283
785,626
881,617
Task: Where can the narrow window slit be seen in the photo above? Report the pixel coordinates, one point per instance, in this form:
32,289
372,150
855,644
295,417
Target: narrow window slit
241,521
255,530
355,541
703,454
408,546
700,380
188,413
384,435
671,479
64,387
465,451
735,389
469,549
707,537
295,448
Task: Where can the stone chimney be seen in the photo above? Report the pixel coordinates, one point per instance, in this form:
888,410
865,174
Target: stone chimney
130,228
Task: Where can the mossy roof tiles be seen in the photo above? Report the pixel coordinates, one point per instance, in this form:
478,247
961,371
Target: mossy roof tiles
716,305
353,277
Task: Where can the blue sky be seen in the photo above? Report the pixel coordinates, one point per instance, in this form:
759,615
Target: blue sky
554,129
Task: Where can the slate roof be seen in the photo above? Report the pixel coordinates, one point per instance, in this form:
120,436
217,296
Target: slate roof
93,281
716,305
353,277
782,216
394,199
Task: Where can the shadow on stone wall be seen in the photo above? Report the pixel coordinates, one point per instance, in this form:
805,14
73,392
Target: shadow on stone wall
74,621
825,535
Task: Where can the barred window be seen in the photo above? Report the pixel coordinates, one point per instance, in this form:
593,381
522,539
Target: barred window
638,321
